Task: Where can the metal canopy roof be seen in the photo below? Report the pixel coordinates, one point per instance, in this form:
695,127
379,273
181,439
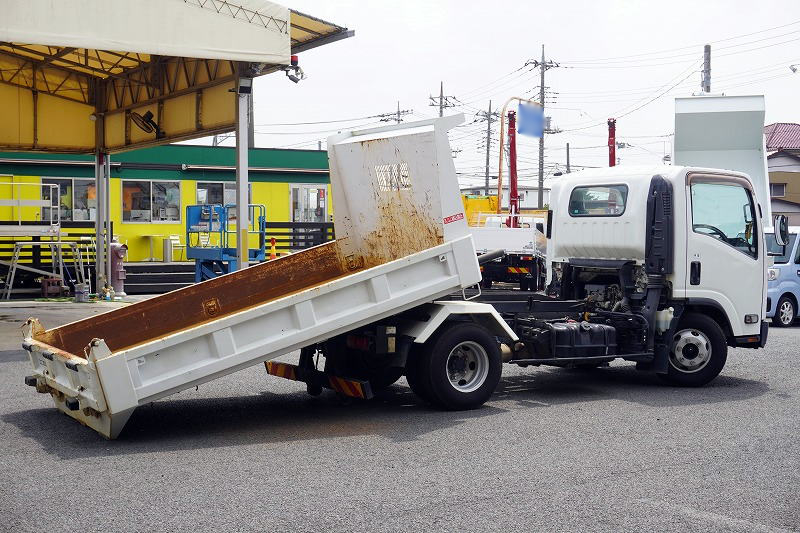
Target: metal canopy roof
75,74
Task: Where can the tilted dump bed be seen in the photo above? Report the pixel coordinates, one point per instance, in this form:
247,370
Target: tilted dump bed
402,240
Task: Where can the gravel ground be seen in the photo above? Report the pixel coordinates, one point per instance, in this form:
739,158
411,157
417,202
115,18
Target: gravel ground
602,450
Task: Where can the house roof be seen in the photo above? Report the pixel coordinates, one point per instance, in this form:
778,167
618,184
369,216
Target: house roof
782,135
793,153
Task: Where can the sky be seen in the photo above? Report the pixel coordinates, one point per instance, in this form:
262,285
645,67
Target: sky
623,59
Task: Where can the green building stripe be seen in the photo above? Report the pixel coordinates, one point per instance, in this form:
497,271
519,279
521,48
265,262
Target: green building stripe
176,154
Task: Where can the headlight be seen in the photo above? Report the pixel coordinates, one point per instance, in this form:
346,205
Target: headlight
772,274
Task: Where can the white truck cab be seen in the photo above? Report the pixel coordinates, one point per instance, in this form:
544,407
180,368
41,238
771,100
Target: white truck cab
681,246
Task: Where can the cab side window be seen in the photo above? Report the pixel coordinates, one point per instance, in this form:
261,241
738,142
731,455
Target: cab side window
726,212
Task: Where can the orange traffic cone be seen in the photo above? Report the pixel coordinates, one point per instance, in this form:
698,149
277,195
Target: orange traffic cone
273,253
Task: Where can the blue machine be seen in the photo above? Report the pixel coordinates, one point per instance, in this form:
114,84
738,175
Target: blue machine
211,238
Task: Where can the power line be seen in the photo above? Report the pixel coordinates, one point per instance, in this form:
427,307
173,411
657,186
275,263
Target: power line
651,100
320,121
694,46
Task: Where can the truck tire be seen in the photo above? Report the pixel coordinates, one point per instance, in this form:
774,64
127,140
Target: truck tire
784,312
413,376
385,377
486,283
697,353
459,368
524,284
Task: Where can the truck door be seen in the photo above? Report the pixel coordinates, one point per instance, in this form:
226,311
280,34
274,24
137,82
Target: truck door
725,251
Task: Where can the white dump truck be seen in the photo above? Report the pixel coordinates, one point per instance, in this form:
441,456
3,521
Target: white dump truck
402,241
647,264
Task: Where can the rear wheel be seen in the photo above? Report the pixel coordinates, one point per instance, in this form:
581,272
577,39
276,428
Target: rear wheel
413,373
784,312
486,283
524,284
697,353
459,368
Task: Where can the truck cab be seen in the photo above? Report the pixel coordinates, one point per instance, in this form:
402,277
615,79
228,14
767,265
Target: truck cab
674,258
783,279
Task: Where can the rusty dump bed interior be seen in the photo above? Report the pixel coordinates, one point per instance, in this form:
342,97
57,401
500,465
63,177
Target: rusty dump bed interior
395,193
191,306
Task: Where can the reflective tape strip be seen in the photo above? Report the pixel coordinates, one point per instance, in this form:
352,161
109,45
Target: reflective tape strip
346,387
519,270
281,370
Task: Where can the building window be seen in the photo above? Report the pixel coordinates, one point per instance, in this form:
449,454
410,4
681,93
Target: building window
151,201
223,193
777,190
77,199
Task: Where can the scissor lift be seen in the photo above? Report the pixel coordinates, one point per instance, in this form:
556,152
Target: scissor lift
211,238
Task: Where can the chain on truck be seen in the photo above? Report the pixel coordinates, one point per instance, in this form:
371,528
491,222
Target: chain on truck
646,263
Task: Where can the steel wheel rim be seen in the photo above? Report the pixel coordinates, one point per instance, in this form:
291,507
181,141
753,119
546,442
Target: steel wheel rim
786,312
467,366
691,351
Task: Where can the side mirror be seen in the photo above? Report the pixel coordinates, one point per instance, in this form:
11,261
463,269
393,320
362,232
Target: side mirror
781,230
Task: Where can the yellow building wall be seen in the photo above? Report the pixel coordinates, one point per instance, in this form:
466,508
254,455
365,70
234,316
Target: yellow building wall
792,184
9,191
140,236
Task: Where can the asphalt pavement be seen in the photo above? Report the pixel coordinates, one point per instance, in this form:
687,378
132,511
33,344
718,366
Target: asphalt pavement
609,449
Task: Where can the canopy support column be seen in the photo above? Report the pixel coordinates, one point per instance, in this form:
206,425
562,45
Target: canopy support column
100,185
242,179
109,233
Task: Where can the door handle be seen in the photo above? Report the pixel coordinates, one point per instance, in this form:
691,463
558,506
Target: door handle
694,273
798,272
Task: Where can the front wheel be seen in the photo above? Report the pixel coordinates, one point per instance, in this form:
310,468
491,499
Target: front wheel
697,353
459,368
784,312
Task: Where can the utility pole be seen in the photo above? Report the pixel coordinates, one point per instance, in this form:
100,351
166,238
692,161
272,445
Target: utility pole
544,66
489,117
442,101
707,69
218,139
568,158
395,116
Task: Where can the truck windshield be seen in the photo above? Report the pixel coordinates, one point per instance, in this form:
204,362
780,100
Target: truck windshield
773,248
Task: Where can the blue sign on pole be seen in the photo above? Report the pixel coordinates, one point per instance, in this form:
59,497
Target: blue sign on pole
531,120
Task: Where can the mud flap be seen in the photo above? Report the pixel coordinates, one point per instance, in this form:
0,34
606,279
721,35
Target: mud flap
353,388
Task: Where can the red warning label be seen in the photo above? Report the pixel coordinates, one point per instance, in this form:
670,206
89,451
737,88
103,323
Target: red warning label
453,218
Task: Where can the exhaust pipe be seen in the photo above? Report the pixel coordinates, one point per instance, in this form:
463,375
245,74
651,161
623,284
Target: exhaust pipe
491,256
